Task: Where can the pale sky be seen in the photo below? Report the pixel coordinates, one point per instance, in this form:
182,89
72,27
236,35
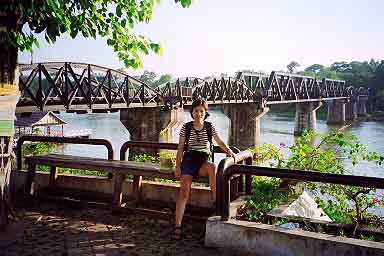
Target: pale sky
223,36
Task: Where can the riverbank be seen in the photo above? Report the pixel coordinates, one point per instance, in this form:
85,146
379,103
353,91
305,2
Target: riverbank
377,116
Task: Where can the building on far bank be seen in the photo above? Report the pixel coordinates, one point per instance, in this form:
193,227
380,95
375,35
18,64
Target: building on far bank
39,123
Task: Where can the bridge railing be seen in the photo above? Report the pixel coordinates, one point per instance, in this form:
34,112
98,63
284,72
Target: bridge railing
227,168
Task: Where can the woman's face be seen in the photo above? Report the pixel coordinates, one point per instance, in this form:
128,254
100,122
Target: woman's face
198,113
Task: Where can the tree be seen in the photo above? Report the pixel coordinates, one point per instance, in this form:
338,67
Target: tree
315,68
292,66
110,19
148,77
341,66
163,79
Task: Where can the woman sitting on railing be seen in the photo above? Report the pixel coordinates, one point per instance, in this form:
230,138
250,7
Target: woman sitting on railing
193,157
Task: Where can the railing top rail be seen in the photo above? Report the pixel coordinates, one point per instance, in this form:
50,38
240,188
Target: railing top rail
35,138
230,161
227,169
352,180
158,145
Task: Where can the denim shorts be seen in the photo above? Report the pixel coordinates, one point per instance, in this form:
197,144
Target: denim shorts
192,162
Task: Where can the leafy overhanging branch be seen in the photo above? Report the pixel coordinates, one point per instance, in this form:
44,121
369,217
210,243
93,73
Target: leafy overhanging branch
110,19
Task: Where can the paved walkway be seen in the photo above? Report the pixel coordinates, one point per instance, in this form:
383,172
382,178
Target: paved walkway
73,230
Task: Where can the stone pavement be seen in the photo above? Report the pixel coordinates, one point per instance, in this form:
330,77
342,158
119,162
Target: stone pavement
53,229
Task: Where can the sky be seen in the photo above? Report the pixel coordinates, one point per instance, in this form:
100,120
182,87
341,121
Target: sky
224,36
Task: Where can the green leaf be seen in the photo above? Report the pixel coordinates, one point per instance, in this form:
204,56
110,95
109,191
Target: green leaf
110,41
118,11
155,47
123,23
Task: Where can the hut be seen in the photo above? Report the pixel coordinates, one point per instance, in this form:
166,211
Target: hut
39,123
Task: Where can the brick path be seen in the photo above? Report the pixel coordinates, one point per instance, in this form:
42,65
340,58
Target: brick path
73,230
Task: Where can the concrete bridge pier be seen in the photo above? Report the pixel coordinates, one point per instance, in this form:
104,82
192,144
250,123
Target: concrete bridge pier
245,124
336,112
305,118
145,124
362,105
350,110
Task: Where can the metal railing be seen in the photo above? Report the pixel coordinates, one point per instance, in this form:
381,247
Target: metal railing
227,168
34,138
240,158
159,145
173,146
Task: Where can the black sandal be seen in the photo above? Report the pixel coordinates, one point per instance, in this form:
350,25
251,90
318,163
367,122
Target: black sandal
177,233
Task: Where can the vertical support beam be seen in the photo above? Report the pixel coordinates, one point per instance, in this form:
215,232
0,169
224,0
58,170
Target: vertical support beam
305,118
117,189
52,176
362,105
245,124
30,177
136,189
336,112
350,110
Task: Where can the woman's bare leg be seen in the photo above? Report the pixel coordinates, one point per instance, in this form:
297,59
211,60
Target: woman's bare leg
185,188
209,170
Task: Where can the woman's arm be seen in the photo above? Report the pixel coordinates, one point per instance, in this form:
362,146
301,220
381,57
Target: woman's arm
179,155
223,146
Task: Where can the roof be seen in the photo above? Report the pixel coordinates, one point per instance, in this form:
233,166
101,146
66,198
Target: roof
37,119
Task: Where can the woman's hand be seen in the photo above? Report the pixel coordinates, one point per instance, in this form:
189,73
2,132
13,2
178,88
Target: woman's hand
231,154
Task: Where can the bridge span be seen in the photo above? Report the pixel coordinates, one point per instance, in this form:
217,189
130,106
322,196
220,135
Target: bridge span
61,86
76,87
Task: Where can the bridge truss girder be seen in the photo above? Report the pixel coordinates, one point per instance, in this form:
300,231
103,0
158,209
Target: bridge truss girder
77,86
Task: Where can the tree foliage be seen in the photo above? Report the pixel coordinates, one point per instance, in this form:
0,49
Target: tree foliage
369,74
149,78
110,19
331,154
315,68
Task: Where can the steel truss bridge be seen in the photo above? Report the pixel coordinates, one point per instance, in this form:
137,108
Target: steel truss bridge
66,86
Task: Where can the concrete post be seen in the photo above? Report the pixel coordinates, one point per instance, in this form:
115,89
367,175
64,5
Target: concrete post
336,112
145,124
305,118
362,105
245,124
350,110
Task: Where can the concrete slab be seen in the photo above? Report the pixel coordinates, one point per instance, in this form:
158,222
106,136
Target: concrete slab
261,239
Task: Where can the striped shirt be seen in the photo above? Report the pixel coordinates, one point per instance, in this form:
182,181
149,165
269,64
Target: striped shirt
198,139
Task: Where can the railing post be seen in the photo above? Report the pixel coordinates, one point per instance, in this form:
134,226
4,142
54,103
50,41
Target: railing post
219,185
225,197
223,184
248,178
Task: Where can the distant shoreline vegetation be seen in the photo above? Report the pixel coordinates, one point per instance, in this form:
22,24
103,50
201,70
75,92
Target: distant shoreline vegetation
289,110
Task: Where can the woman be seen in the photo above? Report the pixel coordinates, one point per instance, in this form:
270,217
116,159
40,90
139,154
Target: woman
193,157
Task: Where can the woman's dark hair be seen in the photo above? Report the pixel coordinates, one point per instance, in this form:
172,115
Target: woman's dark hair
200,102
